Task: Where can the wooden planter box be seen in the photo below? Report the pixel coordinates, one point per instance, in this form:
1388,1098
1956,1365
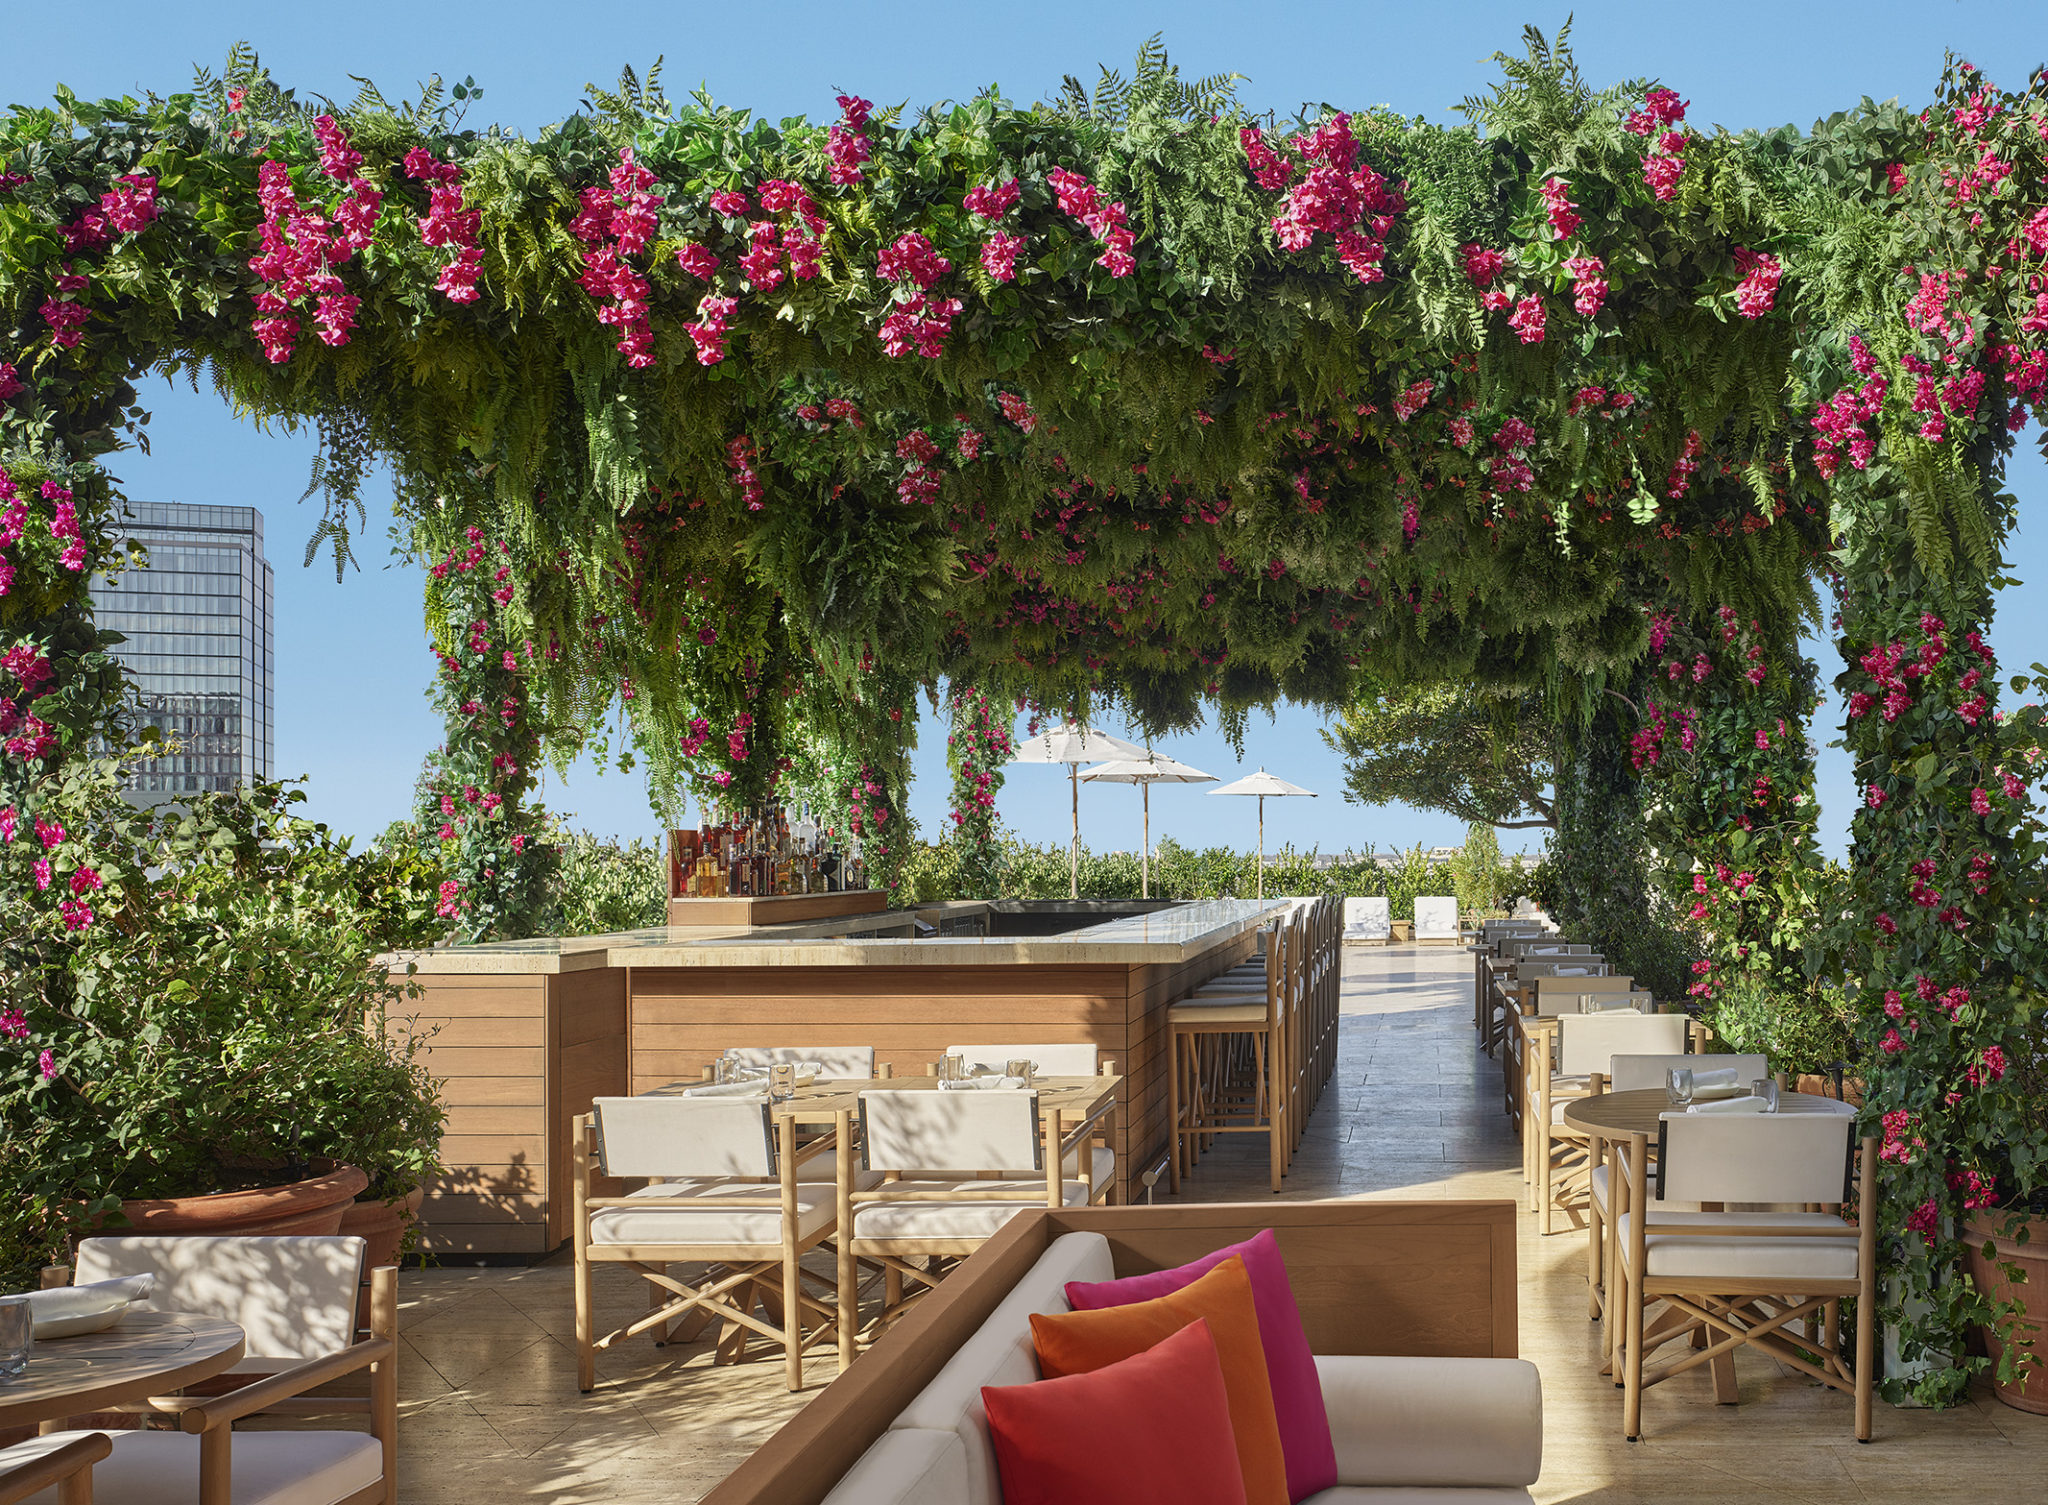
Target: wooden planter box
776,909
1404,930
1416,1278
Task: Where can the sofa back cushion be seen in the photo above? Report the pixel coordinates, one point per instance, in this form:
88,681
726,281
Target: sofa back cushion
1081,1342
1000,1353
1290,1366
1155,1426
906,1467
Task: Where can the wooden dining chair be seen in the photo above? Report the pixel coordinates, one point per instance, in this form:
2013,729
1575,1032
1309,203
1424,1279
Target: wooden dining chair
1060,1060
296,1299
1744,1278
938,1175
721,1187
29,1468
1586,1045
1637,1073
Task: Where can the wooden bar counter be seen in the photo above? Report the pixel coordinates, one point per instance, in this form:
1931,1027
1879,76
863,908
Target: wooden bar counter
526,1033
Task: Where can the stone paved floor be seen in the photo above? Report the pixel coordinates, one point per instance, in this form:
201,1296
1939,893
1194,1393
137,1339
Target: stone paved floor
491,1412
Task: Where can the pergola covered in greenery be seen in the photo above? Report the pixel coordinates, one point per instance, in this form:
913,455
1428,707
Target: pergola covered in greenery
753,434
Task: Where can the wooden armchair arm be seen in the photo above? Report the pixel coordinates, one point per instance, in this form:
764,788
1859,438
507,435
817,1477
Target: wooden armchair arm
247,1401
1086,1128
65,1468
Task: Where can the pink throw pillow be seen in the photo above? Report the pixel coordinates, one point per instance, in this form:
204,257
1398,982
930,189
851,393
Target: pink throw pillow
1297,1393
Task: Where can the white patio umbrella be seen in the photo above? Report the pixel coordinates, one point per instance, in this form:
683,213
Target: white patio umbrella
1145,772
1073,744
1262,784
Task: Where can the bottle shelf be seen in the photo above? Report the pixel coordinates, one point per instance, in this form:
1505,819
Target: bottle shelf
772,909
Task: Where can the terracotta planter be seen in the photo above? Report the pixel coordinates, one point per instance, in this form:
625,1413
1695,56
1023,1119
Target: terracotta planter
316,1205
2032,1257
382,1225
1824,1086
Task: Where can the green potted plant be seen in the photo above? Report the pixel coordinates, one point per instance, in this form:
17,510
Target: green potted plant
2007,1246
195,1040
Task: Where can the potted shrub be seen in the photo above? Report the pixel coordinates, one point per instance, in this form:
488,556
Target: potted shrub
195,1039
2007,1249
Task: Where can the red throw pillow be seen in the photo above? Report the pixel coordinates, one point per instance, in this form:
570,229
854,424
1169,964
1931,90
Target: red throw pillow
1075,1342
1290,1366
1153,1427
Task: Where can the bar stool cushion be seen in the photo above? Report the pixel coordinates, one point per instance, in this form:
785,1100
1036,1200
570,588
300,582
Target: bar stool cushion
1216,1011
1672,1255
711,1223
268,1468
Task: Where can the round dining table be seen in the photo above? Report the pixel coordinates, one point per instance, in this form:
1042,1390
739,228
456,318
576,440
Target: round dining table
1616,1115
144,1354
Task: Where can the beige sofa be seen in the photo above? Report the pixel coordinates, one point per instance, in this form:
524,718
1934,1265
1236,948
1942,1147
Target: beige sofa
1439,1417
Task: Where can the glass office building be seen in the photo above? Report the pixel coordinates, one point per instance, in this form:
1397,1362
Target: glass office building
198,628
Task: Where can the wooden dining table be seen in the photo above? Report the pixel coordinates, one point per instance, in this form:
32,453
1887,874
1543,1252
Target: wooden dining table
145,1353
1616,1115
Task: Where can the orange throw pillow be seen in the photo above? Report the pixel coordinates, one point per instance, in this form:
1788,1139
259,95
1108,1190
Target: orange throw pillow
1078,1342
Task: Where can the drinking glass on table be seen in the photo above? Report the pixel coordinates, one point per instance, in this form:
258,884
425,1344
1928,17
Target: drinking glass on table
782,1081
722,1069
1018,1069
953,1068
1766,1088
17,1335
1678,1086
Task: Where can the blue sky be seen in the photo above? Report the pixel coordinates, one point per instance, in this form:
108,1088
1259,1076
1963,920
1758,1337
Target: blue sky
352,665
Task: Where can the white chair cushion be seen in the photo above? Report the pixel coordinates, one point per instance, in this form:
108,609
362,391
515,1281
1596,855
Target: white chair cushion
1792,1259
1001,1353
269,1468
1440,1425
951,1220
711,1223
906,1467
294,1295
1220,1010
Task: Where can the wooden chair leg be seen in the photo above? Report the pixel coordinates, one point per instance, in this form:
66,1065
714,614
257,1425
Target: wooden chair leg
1173,1039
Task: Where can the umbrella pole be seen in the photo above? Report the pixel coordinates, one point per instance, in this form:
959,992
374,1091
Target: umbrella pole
1074,852
1262,846
1145,853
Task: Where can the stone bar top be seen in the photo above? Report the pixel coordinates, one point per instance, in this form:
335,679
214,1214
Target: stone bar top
1172,933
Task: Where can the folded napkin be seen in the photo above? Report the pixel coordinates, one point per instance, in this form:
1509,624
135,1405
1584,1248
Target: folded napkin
1743,1104
69,1310
1722,1081
750,1085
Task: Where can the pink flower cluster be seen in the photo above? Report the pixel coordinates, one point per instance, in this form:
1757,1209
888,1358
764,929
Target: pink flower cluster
713,327
917,320
1758,290
616,224
740,456
1679,482
447,223
1000,251
1412,400
1338,195
1018,411
1558,207
1482,263
1659,119
301,247
920,483
1839,420
1589,283
1105,220
846,143
1529,320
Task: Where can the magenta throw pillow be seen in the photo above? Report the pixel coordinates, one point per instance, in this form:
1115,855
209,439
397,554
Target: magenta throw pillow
1297,1393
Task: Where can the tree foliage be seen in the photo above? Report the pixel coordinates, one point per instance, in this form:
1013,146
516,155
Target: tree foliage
1485,759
